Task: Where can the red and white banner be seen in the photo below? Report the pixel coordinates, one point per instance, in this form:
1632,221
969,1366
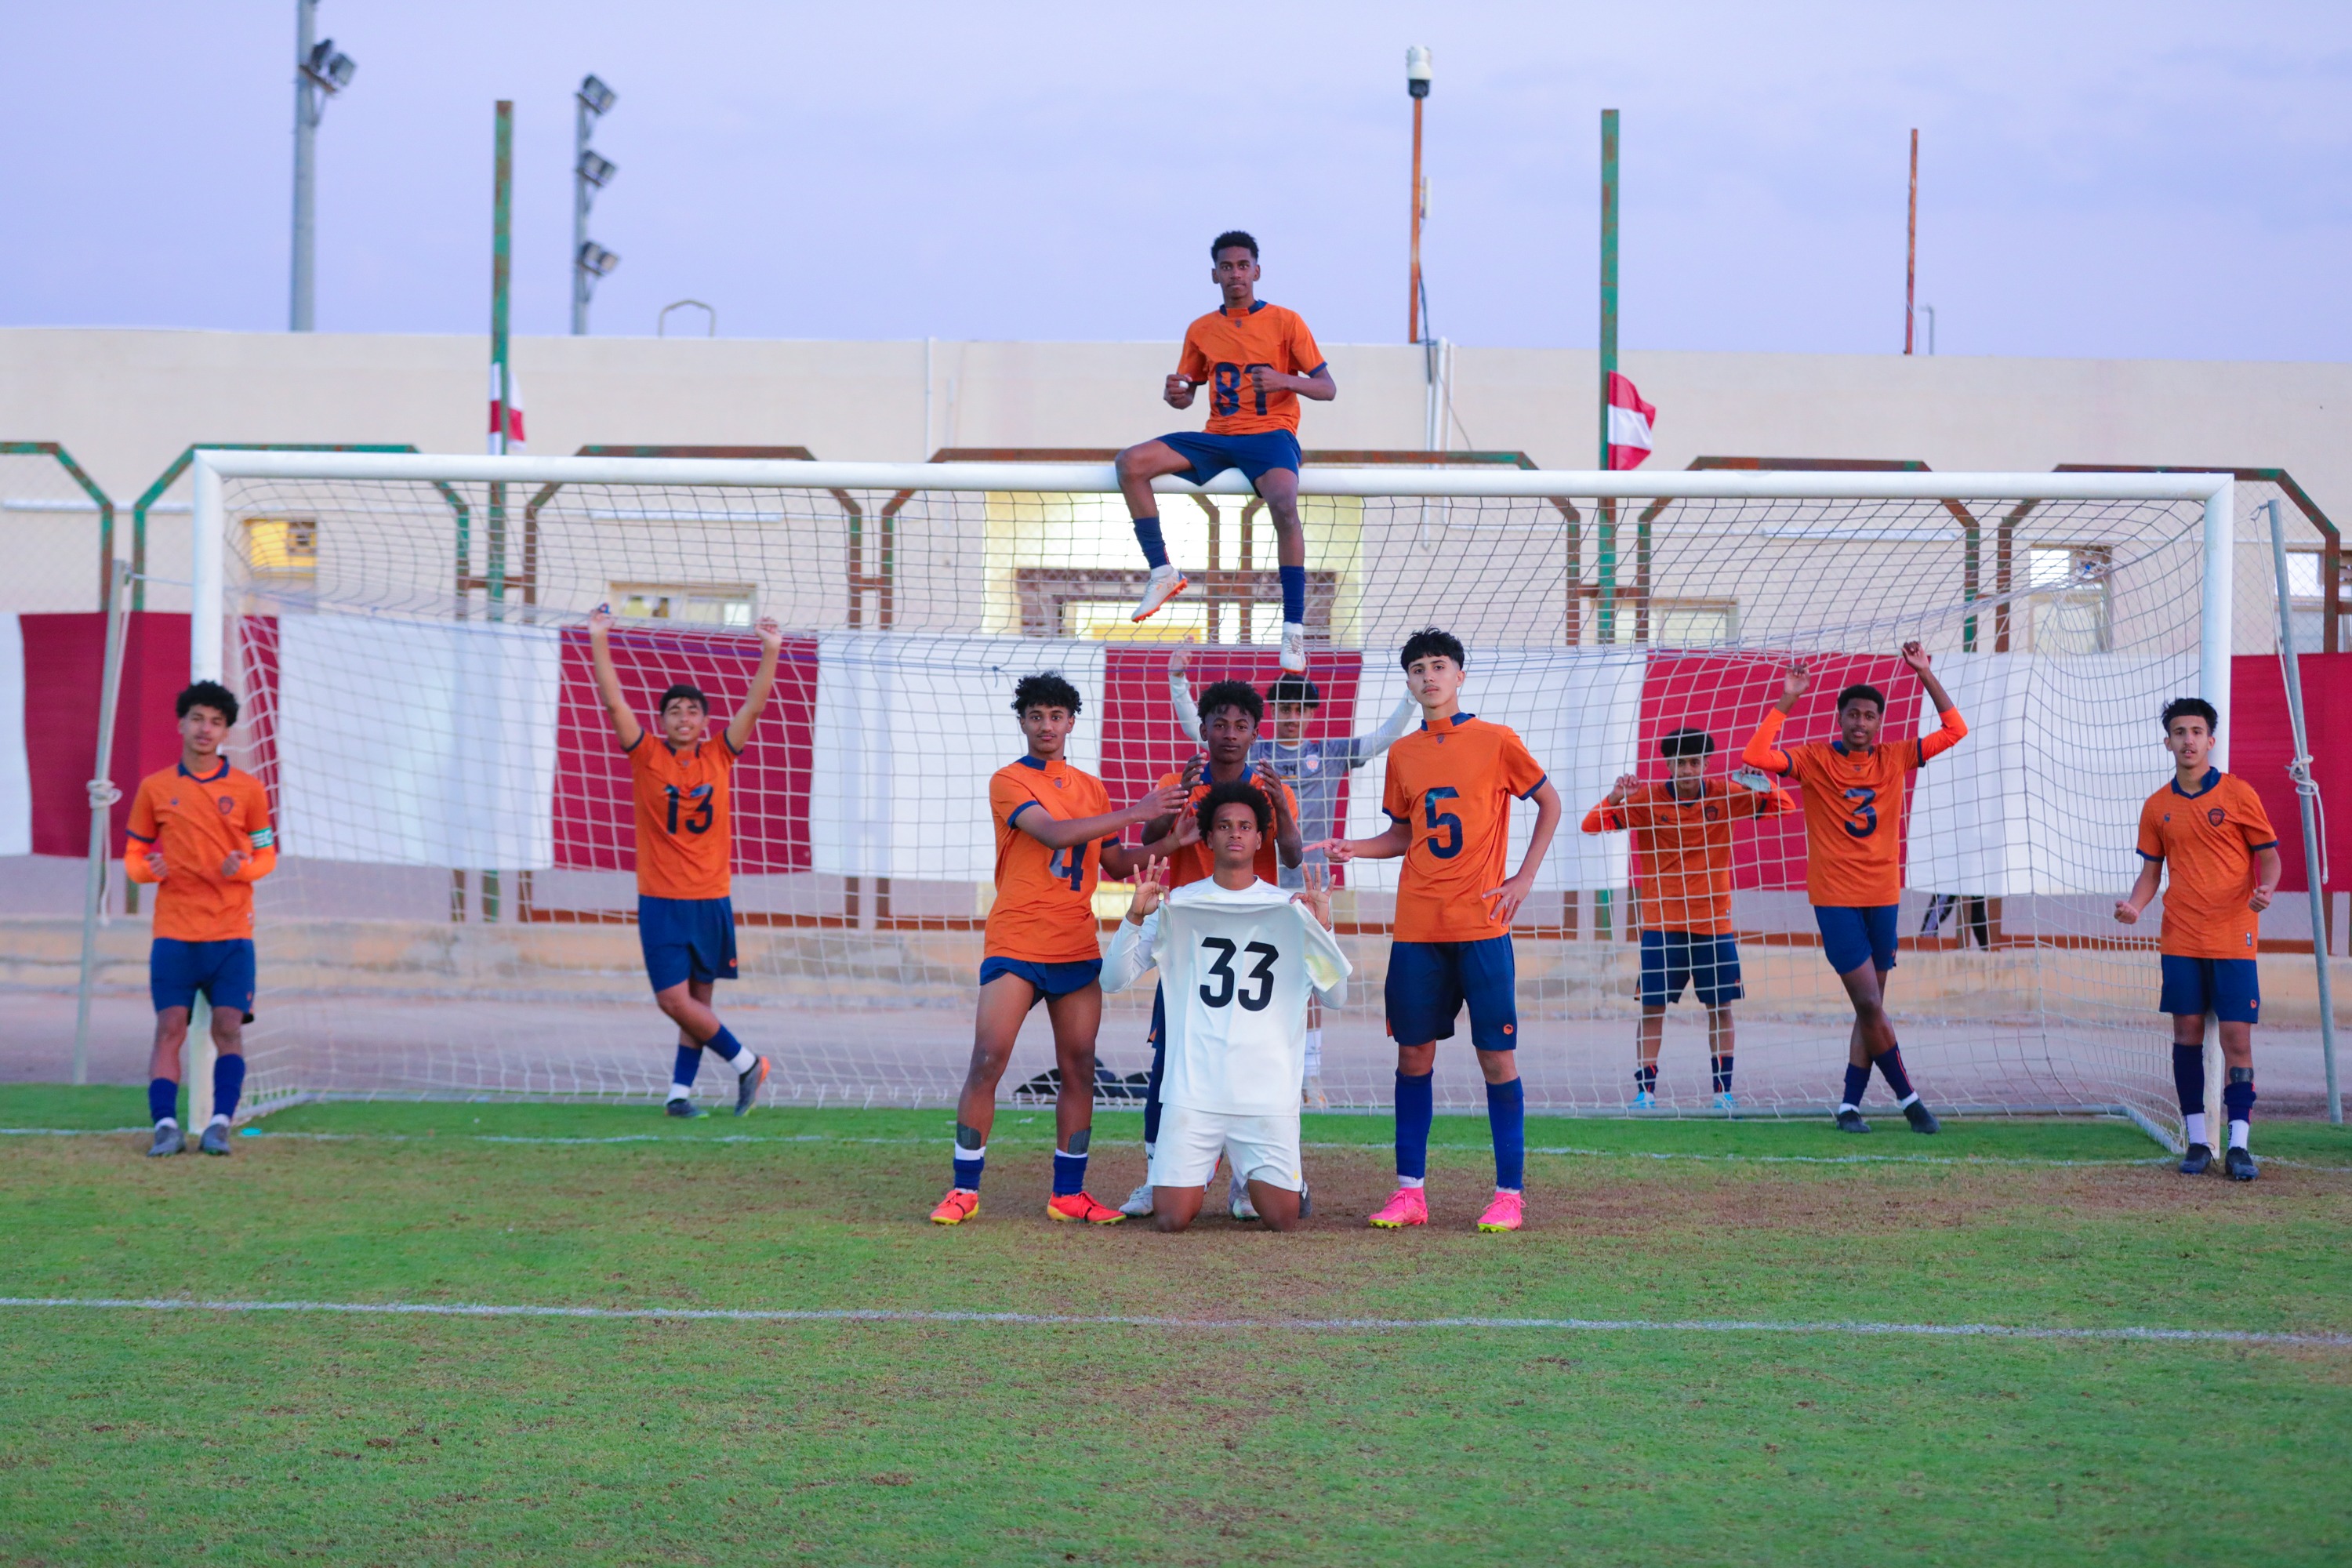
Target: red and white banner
505,411
1629,424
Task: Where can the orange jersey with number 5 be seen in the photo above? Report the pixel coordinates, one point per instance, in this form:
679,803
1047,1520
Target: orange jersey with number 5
684,821
1451,785
1045,908
1219,349
1854,807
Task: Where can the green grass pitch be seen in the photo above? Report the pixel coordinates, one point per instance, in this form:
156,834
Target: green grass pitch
1219,1430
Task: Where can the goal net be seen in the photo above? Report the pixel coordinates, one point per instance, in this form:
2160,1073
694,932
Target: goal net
453,914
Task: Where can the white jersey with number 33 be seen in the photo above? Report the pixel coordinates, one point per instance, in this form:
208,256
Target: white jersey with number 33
1235,969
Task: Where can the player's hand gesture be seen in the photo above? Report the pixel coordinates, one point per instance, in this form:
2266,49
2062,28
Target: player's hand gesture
1178,392
1916,656
1338,851
1148,892
156,867
1627,785
1193,772
1179,657
1161,800
233,864
772,636
600,621
1318,896
1187,829
1793,682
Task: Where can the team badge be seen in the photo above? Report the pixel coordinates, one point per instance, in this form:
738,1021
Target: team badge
1312,764
1715,814
227,806
2214,817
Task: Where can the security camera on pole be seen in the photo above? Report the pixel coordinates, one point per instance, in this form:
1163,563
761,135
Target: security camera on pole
590,174
320,73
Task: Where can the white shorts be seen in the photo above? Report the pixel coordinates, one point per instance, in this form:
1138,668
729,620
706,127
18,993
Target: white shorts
1262,1148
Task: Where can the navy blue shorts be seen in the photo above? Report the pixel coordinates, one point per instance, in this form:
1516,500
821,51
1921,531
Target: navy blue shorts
223,971
1429,981
1045,979
2229,988
1856,935
686,939
1253,455
1709,964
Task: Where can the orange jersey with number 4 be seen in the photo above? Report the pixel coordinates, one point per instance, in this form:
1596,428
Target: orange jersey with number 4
685,822
1854,807
2207,841
1219,349
1450,783
1045,908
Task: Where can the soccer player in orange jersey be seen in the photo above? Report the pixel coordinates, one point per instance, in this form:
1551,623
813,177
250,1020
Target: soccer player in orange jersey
1852,790
1231,715
1257,360
681,779
1682,851
2208,828
200,830
1056,835
1450,788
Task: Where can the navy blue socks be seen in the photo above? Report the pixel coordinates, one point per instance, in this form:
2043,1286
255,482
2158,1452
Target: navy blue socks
1645,1079
1069,1172
1720,1067
970,1154
229,1083
1506,1120
1151,1095
2189,1077
1147,535
1890,1067
1857,1079
1294,593
1416,1105
162,1101
725,1043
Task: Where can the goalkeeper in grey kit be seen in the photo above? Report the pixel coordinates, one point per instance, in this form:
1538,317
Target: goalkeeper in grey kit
1238,960
1313,769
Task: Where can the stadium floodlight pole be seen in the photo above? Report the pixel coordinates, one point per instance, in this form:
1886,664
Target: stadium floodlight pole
2306,799
1911,247
591,172
1416,82
320,73
1605,604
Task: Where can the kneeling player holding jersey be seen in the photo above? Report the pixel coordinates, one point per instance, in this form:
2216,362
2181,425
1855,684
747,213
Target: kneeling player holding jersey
1237,959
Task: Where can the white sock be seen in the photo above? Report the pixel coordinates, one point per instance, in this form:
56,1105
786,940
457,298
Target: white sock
1409,1181
1844,1105
2239,1132
2196,1120
745,1060
220,1120
1906,1102
167,1121
1314,1053
680,1092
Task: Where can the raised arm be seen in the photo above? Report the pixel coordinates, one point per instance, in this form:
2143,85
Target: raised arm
763,681
626,728
1761,751
1391,729
1609,816
1955,728
1179,695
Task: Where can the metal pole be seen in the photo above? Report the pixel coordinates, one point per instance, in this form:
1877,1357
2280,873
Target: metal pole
579,215
2306,799
2217,620
299,313
1911,247
102,796
1412,305
1607,606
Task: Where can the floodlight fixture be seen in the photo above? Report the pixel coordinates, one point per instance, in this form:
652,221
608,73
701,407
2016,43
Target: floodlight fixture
1416,70
331,70
595,96
596,169
595,260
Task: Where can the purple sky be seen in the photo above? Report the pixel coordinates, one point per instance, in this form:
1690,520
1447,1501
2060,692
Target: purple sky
2149,179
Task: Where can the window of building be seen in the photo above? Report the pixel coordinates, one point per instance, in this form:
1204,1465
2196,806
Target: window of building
2068,606
700,604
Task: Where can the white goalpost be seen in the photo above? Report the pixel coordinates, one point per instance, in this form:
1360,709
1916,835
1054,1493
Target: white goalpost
452,915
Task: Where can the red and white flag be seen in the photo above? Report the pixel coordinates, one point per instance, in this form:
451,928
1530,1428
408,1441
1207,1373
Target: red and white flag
1629,424
506,413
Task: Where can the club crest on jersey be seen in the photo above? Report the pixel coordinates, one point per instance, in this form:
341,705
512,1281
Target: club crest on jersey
227,806
1058,783
1715,814
2214,816
1312,764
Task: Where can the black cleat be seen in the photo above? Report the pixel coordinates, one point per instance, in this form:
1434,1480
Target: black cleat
685,1110
168,1140
216,1139
2196,1161
1852,1121
746,1087
1922,1120
2240,1163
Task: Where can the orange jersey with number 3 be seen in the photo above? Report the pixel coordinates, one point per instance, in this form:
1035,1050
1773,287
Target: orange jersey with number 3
1451,783
1045,908
2208,842
1854,807
1219,349
684,822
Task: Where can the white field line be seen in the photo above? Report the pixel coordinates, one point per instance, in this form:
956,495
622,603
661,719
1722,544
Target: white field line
1572,1152
1137,1321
